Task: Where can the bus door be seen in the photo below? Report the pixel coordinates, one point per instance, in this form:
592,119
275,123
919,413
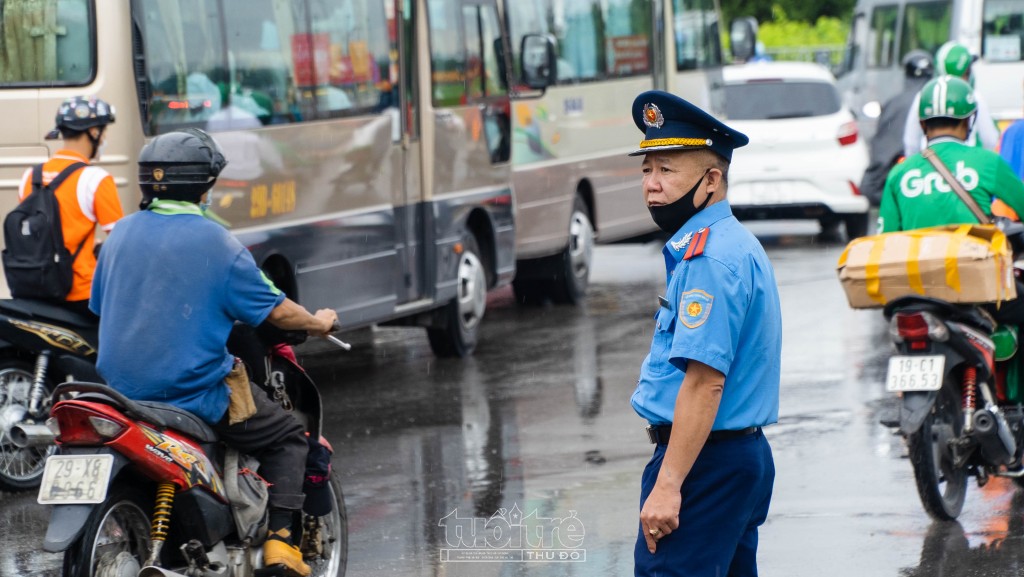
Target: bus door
467,137
410,209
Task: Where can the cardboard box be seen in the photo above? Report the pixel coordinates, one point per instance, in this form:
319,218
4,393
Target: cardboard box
956,263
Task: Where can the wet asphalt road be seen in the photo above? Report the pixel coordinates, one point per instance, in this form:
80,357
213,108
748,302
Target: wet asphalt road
539,423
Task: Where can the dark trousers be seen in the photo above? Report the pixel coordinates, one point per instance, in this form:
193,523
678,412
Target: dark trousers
725,500
278,441
1010,312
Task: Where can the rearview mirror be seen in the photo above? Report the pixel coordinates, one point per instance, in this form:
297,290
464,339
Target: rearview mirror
538,62
743,38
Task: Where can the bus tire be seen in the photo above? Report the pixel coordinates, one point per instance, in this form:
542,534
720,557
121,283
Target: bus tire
463,314
573,276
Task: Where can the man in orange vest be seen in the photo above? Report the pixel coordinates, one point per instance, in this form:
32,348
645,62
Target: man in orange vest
88,196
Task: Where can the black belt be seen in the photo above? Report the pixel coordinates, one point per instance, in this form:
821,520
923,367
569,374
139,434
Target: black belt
659,434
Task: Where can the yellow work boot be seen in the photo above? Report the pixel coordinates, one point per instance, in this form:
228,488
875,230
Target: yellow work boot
278,550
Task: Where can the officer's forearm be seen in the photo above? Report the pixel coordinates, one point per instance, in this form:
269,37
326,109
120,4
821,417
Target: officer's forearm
694,415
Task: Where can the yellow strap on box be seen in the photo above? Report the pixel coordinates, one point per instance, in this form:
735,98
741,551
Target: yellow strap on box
872,282
914,267
952,252
1001,248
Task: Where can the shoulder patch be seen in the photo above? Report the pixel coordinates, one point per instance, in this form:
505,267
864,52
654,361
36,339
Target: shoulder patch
700,238
694,308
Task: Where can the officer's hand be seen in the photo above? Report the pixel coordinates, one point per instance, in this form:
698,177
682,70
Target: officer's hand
660,514
327,318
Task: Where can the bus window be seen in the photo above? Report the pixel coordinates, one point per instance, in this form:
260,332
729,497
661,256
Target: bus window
1003,31
853,48
184,53
698,44
628,37
882,37
353,45
45,43
410,90
474,53
925,26
447,58
260,88
579,26
525,17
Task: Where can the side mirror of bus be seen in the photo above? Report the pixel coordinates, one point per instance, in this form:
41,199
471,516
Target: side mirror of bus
743,38
538,62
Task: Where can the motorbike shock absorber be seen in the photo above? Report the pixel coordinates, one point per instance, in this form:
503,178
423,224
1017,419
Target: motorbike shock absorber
970,399
161,520
38,390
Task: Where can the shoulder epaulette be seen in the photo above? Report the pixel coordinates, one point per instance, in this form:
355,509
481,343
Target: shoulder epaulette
700,238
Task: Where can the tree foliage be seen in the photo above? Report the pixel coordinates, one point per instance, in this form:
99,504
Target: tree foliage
799,10
782,31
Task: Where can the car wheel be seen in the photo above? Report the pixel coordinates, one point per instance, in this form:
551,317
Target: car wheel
856,225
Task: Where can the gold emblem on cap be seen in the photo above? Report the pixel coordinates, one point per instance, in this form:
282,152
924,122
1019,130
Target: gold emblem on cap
652,116
158,174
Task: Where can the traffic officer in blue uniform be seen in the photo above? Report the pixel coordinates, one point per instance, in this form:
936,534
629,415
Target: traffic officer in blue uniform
711,379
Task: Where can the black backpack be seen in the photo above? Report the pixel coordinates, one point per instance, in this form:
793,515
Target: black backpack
36,262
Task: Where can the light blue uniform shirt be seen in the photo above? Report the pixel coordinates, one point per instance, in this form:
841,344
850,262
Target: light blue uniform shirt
722,309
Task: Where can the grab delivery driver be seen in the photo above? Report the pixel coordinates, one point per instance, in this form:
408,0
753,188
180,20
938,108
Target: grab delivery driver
917,196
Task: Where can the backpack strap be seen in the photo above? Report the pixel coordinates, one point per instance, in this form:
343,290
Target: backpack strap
958,188
37,176
51,188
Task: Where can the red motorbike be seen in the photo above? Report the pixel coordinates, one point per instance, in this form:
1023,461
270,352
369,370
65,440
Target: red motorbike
144,488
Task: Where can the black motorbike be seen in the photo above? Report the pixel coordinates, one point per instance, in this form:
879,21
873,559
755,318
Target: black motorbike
961,382
41,345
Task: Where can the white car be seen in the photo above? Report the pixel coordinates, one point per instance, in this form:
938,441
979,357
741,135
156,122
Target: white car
805,158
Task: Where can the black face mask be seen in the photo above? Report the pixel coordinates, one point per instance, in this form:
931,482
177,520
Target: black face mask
671,217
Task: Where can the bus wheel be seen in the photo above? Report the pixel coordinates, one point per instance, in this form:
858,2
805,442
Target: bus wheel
574,272
462,315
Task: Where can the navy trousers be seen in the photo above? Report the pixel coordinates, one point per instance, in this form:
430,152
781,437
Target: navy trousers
725,499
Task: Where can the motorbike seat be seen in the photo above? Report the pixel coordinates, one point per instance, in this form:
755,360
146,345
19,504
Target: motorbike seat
183,421
46,311
160,414
972,315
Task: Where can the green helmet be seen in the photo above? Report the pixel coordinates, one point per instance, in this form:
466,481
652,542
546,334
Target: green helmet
947,97
953,59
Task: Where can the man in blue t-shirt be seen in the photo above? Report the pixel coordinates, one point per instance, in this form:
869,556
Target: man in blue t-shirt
169,286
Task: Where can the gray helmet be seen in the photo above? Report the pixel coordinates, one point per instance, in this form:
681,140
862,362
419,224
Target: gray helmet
80,113
918,64
179,165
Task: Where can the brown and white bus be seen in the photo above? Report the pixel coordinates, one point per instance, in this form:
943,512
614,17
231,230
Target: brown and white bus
574,183
368,141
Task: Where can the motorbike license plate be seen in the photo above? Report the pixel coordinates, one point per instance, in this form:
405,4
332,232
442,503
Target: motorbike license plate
75,479
916,373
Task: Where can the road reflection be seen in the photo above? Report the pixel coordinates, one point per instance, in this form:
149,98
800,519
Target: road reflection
996,549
